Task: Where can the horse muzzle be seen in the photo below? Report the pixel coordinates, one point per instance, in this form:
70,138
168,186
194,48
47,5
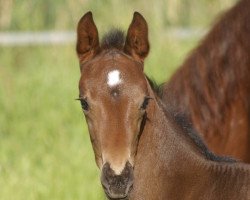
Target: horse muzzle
117,186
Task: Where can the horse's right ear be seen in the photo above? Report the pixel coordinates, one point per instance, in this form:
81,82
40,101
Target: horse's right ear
87,38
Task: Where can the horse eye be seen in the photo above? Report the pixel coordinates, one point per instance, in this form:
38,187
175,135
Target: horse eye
84,104
145,103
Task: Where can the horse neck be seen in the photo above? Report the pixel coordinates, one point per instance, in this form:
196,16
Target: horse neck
167,161
163,155
166,140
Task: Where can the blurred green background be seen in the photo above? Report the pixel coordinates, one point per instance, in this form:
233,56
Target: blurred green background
45,152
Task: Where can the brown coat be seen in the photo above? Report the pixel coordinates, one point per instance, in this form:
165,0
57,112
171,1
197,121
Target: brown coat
212,87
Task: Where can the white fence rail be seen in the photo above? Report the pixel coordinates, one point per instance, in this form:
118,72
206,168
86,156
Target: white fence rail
68,37
36,38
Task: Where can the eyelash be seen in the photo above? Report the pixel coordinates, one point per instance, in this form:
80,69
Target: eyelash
84,104
145,103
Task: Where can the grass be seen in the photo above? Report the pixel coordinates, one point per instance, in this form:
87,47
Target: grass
45,152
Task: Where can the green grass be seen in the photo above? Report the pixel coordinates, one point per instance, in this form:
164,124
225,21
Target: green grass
45,151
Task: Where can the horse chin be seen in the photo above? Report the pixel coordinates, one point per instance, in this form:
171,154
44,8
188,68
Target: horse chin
117,196
121,197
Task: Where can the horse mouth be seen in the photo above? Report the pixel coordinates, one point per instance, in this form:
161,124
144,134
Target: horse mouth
122,196
117,186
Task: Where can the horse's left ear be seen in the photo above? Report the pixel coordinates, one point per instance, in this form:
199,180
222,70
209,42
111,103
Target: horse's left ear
137,44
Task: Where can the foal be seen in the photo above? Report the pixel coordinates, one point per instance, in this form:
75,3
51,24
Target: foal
212,87
141,150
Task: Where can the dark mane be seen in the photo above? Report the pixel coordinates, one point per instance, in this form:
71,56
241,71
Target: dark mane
115,38
183,123
188,129
157,88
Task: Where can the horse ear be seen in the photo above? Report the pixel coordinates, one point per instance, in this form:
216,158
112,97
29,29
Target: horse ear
87,38
137,44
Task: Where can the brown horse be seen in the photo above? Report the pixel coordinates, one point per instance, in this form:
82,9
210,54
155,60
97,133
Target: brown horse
143,153
212,87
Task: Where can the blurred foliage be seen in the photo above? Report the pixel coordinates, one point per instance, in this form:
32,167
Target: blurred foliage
63,14
45,151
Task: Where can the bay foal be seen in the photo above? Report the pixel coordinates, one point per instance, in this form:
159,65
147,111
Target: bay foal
143,153
212,87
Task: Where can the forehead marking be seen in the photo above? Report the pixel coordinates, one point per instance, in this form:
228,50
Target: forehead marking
114,78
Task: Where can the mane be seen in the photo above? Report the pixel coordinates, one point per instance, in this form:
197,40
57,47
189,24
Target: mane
114,38
183,123
188,129
157,88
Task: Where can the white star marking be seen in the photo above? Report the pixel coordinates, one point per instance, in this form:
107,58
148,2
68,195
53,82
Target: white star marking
114,78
